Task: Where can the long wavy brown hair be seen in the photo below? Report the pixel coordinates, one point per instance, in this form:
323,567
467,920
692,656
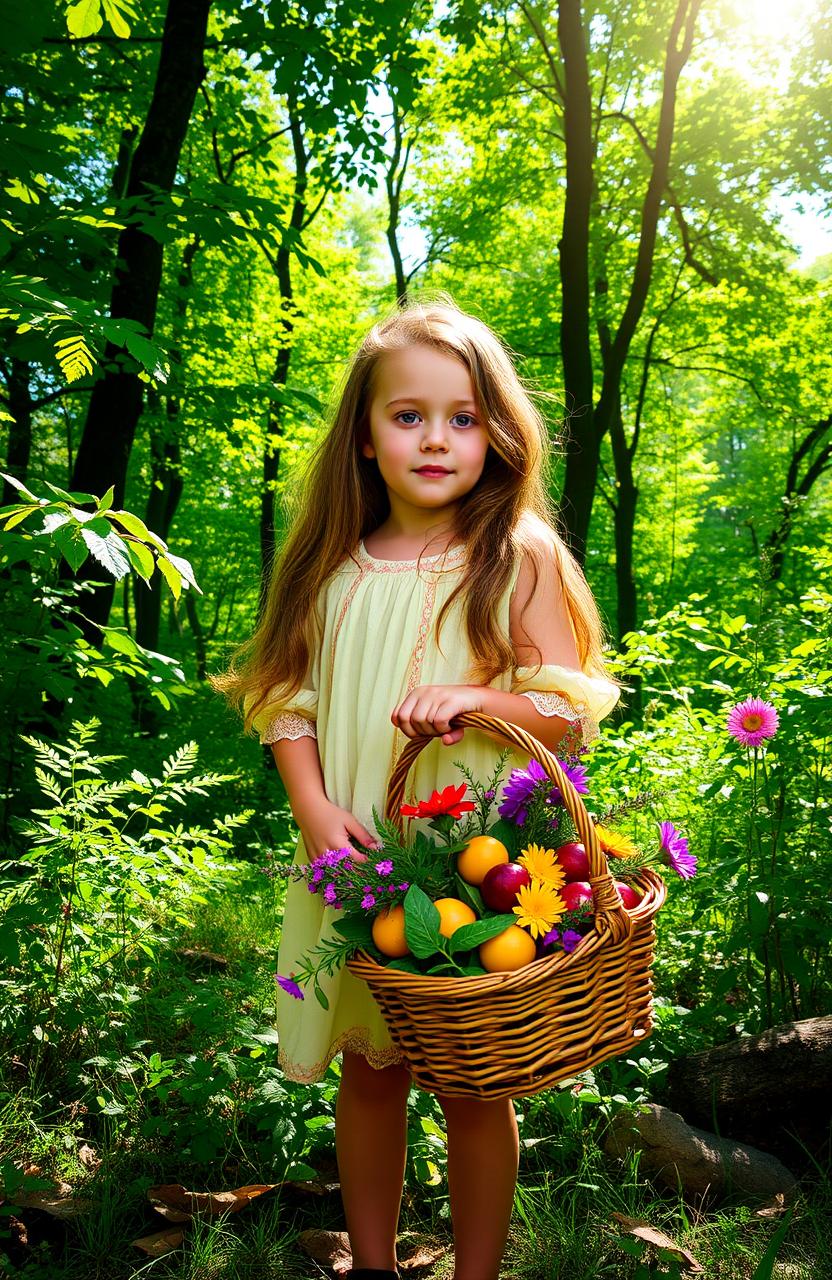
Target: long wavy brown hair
496,521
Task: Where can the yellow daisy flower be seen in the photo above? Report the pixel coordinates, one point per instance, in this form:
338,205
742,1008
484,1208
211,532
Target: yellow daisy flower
542,864
616,845
539,907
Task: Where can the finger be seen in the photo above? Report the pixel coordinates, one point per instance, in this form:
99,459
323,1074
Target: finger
455,735
442,719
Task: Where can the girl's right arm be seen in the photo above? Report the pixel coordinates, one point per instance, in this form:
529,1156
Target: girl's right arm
322,824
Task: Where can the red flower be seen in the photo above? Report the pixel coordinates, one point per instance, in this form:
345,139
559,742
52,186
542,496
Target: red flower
448,802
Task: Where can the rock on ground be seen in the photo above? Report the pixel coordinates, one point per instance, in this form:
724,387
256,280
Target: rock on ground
677,1154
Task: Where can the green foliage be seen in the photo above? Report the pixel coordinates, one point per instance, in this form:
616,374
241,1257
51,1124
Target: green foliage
749,947
106,873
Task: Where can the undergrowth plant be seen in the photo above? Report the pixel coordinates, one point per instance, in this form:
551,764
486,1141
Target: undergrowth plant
108,869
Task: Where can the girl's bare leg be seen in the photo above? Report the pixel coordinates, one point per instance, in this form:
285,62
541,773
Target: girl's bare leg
483,1156
371,1146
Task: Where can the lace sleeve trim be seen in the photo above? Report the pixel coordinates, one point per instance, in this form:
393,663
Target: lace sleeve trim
584,728
288,725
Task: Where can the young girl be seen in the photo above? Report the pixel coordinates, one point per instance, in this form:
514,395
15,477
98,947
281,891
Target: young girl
421,578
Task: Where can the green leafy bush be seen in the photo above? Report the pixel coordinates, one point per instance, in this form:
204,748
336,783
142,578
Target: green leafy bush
106,872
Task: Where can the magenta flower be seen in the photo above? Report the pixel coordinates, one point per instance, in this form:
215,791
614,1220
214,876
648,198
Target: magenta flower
368,900
330,895
385,867
289,985
752,721
674,847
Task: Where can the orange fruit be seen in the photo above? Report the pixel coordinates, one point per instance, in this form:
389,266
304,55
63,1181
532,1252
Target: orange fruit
452,914
388,932
511,949
479,856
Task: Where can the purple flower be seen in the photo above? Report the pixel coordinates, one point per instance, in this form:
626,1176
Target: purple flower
289,985
489,795
402,887
518,791
330,894
569,941
576,773
368,901
385,867
752,721
674,846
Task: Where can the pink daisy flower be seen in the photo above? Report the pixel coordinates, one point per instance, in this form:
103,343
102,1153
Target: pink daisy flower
752,721
674,848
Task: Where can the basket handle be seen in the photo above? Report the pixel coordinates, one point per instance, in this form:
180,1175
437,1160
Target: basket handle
610,916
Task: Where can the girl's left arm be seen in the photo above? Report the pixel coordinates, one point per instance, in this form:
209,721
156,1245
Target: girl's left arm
540,631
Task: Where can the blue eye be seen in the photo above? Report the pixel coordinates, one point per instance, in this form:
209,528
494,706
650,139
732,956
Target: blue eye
469,423
407,413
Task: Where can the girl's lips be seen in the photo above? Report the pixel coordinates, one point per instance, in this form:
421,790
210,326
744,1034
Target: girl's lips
432,471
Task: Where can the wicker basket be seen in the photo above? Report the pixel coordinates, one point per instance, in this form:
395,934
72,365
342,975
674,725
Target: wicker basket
509,1035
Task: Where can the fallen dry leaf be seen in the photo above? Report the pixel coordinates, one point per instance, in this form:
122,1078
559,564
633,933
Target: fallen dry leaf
652,1235
57,1200
332,1248
774,1209
88,1157
160,1242
173,1215
172,1196
18,1232
426,1255
316,1186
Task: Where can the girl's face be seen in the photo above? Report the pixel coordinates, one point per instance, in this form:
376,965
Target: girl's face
426,431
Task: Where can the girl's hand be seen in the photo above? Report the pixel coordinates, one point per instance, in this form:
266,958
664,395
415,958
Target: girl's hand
324,826
428,710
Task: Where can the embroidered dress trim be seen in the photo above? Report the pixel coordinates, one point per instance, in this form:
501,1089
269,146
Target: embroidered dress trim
353,1040
288,725
342,613
583,728
449,557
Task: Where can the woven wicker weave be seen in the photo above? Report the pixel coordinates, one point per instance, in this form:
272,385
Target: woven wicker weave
509,1035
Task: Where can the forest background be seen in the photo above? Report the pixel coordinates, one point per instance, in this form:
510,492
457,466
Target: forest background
205,204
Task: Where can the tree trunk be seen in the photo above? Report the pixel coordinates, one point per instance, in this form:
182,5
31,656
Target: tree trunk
116,403
756,1086
394,178
166,464
796,490
20,428
274,428
576,353
587,425
626,501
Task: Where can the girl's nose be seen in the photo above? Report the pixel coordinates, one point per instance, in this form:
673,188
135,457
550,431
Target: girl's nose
435,435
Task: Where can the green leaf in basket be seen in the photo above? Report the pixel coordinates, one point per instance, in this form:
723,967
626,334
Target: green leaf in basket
404,964
468,936
320,997
357,929
421,923
473,971
470,895
512,836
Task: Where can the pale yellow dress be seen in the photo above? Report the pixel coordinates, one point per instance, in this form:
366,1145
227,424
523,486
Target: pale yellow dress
378,644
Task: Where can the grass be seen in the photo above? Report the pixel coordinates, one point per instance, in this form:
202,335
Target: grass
216,1114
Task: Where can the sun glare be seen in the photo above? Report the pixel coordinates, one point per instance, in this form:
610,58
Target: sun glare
773,19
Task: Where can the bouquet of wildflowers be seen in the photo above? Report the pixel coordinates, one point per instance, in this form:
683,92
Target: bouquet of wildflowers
502,880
